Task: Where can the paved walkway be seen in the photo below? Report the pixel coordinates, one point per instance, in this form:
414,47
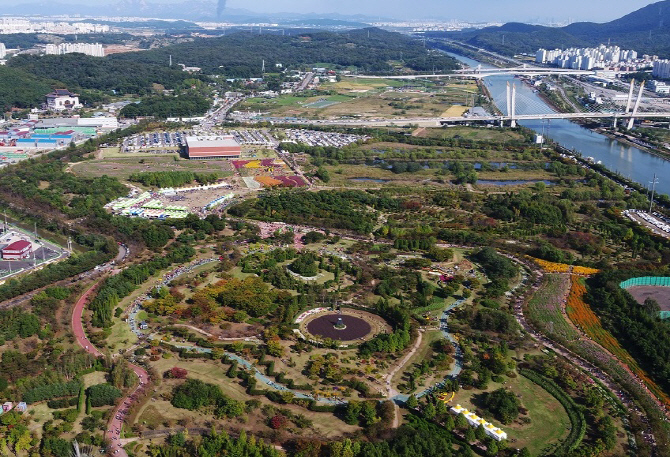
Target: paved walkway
116,421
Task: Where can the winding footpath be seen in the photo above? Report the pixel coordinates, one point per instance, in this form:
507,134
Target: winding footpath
112,434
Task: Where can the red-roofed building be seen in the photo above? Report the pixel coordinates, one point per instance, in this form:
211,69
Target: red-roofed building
17,250
213,148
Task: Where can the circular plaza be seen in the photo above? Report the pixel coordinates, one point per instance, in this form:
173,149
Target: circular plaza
347,326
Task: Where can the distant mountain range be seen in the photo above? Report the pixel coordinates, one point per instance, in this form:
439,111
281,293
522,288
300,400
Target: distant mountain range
646,30
197,10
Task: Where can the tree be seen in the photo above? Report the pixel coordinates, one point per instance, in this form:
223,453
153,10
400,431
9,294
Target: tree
352,413
429,411
368,413
278,421
503,405
480,433
177,373
412,402
323,174
470,435
103,394
461,422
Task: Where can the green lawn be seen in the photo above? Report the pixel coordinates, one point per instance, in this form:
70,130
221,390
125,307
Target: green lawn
549,420
121,337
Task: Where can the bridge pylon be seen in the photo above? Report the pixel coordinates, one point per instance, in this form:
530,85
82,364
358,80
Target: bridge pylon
635,108
511,103
630,95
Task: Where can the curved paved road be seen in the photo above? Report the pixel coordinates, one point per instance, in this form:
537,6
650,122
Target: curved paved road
112,435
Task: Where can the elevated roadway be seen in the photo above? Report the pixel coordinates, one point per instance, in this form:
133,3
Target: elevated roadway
469,73
438,121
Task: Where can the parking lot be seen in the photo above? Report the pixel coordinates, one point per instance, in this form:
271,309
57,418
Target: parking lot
169,142
315,138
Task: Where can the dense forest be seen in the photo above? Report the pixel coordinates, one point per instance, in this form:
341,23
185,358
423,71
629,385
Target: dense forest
242,54
332,209
79,71
20,89
164,106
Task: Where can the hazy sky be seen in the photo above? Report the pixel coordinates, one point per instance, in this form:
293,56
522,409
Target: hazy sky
472,10
487,10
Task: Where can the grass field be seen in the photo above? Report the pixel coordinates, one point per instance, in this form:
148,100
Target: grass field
215,373
121,336
370,98
422,353
549,420
472,133
123,167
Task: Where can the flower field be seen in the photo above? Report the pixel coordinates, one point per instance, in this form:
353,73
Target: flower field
544,310
585,271
551,267
581,314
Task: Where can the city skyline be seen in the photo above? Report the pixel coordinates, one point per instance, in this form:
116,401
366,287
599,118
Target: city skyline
479,10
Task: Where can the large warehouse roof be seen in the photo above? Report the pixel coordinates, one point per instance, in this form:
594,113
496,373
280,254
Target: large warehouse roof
221,146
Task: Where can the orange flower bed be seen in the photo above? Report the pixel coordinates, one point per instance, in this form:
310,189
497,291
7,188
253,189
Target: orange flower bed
268,181
551,267
581,314
585,271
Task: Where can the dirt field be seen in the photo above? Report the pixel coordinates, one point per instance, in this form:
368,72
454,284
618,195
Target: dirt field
659,293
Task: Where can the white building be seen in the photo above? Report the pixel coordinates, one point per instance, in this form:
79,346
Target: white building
588,58
90,49
62,99
476,421
660,87
661,69
3,51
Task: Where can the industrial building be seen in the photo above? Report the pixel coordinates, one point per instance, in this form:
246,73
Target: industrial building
17,250
220,147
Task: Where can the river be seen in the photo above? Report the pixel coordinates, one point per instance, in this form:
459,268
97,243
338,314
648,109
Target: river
631,162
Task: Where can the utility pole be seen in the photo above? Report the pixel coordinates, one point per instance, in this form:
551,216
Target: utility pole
653,189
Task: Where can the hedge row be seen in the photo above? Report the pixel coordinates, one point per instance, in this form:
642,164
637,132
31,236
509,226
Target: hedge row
50,391
63,402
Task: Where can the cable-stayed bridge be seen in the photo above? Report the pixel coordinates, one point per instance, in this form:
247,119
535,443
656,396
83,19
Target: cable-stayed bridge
532,107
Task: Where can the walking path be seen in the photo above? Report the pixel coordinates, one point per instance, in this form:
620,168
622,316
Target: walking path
115,423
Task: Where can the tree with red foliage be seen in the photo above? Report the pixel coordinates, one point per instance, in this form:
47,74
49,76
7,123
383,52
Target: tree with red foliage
278,421
176,373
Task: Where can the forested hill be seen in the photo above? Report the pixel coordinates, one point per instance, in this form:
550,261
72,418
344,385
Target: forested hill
20,89
646,30
78,71
241,54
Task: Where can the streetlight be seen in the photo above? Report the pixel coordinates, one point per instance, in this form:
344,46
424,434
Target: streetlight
653,189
